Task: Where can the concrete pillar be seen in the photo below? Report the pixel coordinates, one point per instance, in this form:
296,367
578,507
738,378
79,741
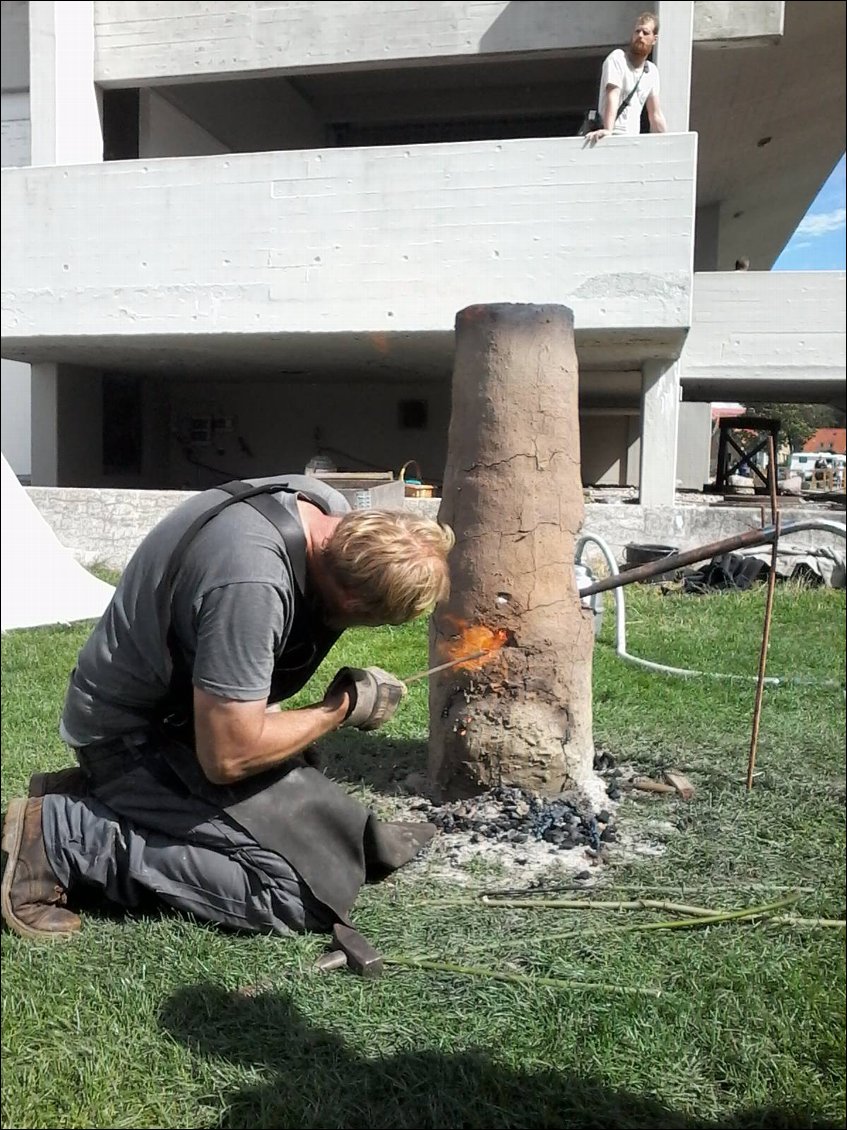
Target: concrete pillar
660,394
14,152
15,416
45,425
64,102
633,450
673,58
66,129
694,444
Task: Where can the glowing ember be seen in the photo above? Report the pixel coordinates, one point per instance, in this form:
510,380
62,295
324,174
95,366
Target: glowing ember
470,639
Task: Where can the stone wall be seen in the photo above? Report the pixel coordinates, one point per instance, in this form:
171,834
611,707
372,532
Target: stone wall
105,526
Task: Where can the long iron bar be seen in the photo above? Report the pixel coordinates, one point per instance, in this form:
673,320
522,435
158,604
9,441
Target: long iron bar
443,666
746,540
766,630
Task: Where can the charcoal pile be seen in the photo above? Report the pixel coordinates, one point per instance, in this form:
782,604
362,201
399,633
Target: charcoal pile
605,765
518,816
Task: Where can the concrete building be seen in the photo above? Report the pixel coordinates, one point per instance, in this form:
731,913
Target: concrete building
238,233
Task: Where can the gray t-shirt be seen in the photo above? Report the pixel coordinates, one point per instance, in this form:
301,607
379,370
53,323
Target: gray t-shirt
233,611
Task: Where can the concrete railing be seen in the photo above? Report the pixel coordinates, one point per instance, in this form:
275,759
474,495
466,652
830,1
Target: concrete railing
377,240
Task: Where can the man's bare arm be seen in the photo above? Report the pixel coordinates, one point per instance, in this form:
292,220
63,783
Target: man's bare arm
610,110
610,113
236,740
655,115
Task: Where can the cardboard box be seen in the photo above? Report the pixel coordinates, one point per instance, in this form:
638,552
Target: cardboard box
370,490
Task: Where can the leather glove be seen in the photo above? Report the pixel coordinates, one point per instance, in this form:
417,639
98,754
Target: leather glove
375,695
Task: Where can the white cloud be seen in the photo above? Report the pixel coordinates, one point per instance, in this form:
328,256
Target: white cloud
822,223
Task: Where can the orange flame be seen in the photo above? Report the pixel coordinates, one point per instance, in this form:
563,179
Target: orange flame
471,638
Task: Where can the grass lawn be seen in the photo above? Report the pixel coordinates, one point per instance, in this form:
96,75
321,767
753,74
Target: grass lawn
160,1022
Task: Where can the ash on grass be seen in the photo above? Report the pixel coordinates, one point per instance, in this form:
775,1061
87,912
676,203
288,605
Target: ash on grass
519,835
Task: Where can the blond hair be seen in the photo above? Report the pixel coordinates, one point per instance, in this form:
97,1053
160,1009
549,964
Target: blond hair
652,17
392,563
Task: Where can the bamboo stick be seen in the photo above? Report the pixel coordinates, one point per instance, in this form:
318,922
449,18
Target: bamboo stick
529,892
790,920
519,978
714,918
577,904
718,916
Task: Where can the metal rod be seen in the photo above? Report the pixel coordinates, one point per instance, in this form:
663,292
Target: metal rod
772,480
763,660
691,556
450,663
766,630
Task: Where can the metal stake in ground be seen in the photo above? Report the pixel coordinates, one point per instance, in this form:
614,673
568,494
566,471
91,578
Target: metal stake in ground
766,630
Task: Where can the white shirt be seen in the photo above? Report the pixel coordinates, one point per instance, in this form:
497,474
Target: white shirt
618,71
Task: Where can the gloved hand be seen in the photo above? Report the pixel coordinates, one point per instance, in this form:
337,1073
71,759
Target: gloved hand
374,695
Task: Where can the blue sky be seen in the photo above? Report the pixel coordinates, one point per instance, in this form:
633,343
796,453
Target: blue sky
818,243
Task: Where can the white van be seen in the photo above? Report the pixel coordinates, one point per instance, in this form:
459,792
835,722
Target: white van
803,463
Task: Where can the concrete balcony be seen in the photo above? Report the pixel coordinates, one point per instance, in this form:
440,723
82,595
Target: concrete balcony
777,335
358,254
145,42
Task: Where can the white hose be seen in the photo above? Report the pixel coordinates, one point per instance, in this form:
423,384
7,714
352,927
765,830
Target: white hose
684,672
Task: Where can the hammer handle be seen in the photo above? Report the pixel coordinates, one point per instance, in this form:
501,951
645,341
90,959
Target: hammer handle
334,959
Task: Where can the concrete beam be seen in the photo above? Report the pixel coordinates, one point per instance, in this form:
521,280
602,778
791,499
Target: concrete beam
779,330
720,24
149,42
143,42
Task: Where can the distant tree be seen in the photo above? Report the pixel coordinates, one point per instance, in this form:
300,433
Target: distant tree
799,421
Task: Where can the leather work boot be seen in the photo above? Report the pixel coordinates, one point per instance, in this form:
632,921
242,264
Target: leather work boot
70,782
33,902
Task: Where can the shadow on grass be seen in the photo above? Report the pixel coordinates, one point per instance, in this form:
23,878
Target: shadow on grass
378,762
315,1080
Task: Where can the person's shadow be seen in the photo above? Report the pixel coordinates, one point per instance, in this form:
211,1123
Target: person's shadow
372,759
315,1080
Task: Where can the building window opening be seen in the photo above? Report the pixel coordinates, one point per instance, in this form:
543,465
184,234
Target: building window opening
122,425
121,125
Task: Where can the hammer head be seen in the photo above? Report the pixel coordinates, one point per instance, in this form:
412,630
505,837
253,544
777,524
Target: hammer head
350,949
